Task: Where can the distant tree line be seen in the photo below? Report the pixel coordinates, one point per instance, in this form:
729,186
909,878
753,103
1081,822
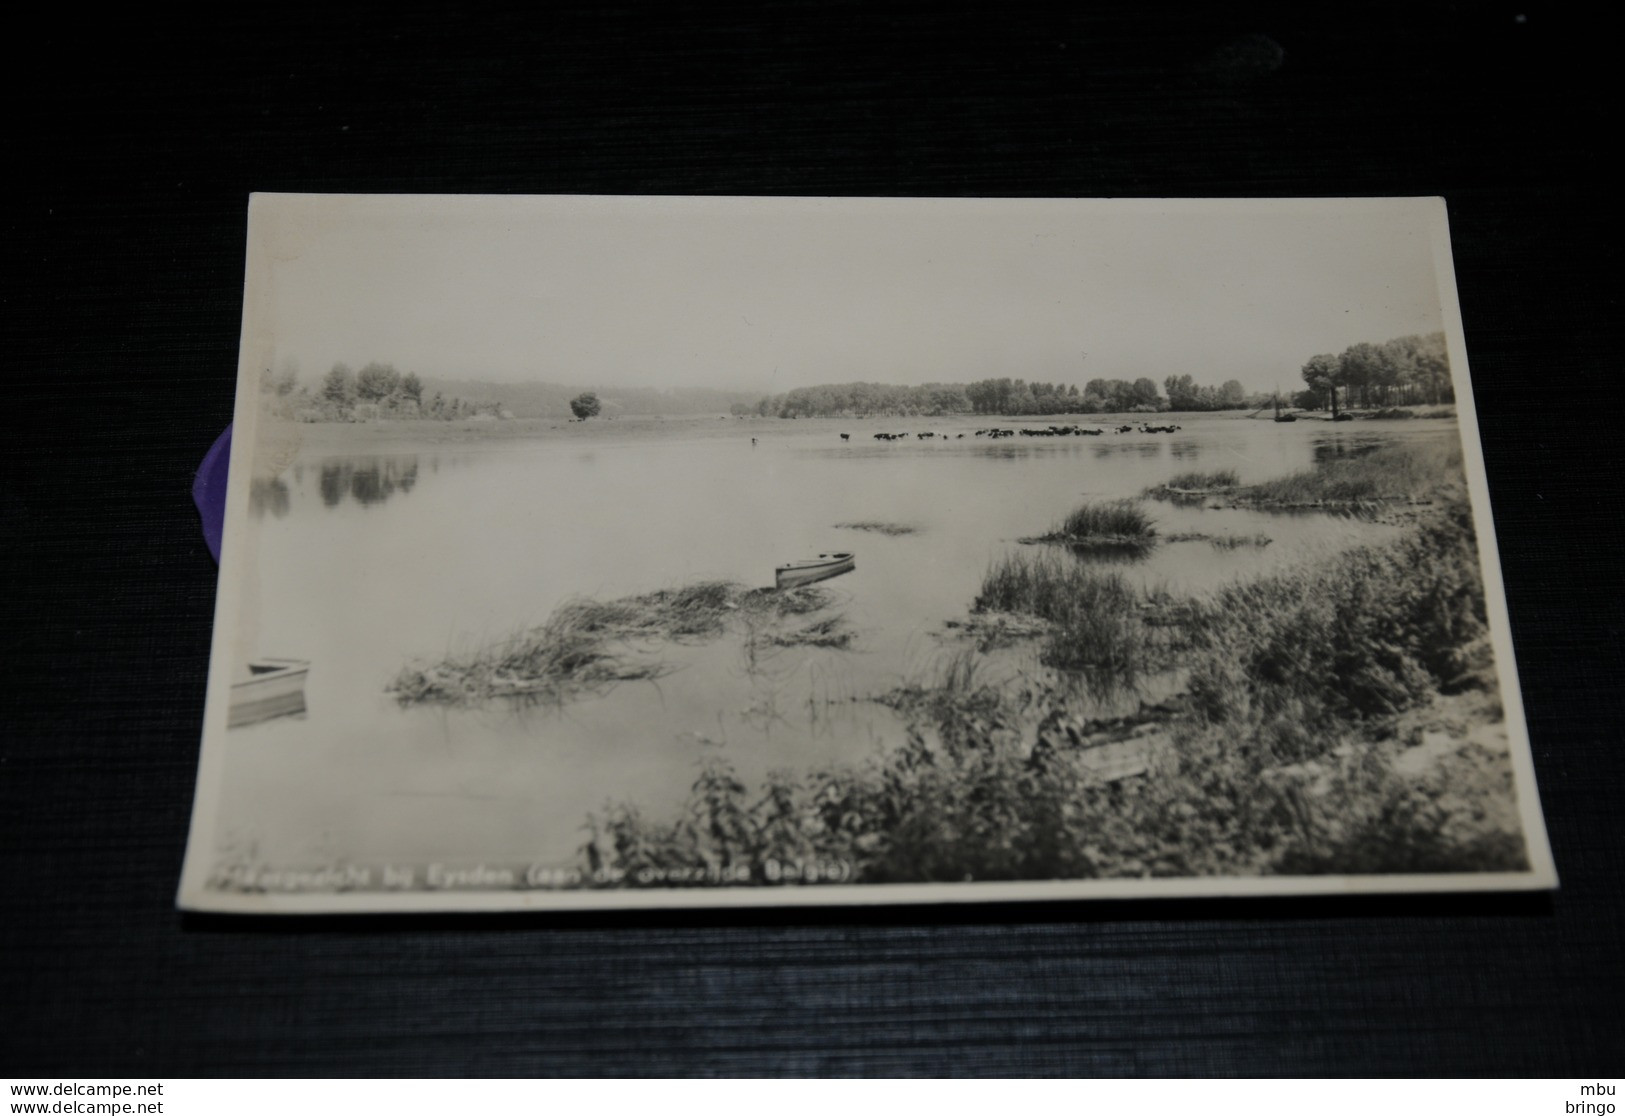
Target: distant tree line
377,391
1404,370
1004,396
1001,396
1186,395
861,399
380,391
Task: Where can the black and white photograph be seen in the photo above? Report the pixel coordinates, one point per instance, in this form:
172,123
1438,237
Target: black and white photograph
588,552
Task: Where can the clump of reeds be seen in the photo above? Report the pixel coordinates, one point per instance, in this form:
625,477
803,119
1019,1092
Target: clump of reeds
563,659
828,632
587,646
1095,617
1118,524
879,527
1406,471
1196,484
1222,542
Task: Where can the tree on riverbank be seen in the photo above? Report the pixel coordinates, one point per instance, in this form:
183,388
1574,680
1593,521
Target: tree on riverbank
585,405
1184,394
1400,371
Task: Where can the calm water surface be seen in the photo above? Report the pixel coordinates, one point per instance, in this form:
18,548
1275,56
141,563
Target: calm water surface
368,562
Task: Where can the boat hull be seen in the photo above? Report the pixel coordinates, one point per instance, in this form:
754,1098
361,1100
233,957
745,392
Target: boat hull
274,688
825,566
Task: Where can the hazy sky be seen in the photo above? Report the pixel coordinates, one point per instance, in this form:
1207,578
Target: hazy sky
770,294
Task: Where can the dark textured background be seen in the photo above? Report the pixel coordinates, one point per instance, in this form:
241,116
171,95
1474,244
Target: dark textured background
131,147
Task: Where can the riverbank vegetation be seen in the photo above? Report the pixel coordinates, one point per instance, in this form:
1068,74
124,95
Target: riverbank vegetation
1406,472
1338,717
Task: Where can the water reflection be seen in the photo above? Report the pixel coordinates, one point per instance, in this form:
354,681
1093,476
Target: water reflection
1109,554
268,496
1118,449
1358,445
366,480
1006,451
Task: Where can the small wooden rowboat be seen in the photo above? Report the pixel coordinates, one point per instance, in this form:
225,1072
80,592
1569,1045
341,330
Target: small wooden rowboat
809,570
274,688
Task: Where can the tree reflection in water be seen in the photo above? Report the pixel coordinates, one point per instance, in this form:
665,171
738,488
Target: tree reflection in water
367,480
268,496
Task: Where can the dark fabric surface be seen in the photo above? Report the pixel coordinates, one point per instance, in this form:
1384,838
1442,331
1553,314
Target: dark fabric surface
133,145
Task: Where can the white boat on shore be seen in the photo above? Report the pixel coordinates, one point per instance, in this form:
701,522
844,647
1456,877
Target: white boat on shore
273,688
808,570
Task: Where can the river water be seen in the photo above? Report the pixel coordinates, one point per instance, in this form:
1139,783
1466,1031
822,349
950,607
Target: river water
367,562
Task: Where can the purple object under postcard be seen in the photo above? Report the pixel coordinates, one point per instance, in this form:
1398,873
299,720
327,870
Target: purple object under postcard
209,490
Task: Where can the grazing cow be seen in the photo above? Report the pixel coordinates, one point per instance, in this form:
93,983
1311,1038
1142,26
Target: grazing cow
846,437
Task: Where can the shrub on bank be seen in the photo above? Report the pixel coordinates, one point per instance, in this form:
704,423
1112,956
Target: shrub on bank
1363,635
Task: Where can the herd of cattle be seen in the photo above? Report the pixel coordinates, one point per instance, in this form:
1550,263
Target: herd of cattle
1030,432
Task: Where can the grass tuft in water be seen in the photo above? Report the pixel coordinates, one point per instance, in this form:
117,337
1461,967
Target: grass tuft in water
878,527
588,646
828,632
1095,617
1195,484
1118,524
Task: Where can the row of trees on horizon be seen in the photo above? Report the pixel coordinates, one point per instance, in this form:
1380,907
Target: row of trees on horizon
1003,396
377,391
1401,371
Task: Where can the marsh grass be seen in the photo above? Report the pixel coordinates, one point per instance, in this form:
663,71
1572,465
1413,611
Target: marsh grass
831,631
1096,622
1194,484
1116,531
1117,525
879,527
1401,472
1222,542
587,646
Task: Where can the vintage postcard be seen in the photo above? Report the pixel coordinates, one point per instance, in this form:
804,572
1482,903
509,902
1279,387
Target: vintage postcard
631,552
